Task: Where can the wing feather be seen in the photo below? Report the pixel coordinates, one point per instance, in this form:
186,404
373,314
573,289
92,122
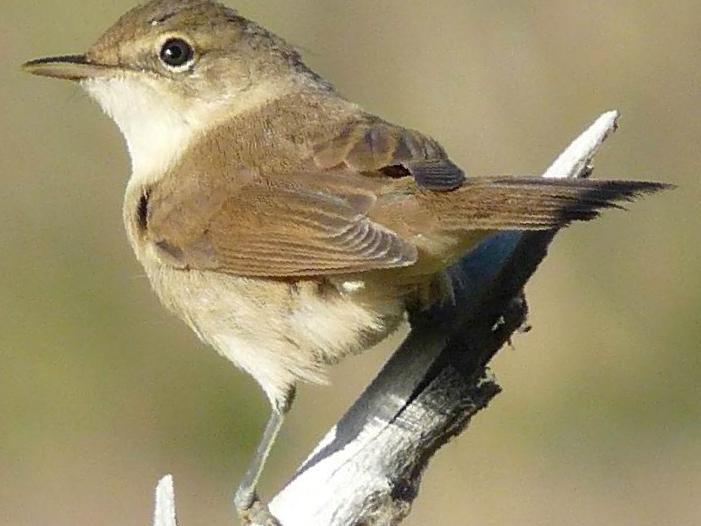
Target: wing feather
264,230
379,148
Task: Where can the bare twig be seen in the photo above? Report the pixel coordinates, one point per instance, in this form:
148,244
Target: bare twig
367,470
165,503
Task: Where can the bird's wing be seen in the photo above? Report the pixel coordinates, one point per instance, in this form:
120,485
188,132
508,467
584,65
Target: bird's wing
267,228
312,223
377,148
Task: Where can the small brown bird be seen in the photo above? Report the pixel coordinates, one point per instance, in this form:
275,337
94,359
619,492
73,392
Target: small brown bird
284,224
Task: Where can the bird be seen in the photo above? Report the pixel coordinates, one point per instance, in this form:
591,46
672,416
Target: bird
284,224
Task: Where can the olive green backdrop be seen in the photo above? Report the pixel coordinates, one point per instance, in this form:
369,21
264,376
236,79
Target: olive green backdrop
101,392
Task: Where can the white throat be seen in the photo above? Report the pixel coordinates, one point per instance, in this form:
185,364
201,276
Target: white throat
157,126
157,132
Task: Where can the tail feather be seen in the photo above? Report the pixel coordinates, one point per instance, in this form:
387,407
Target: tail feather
518,203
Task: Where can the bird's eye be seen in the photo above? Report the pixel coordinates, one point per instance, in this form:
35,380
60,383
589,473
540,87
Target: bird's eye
176,53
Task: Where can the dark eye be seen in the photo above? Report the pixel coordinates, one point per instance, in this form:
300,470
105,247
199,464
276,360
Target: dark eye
176,53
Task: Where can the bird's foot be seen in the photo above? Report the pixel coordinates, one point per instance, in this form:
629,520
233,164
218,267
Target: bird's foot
253,512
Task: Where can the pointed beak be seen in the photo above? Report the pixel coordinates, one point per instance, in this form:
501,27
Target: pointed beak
70,67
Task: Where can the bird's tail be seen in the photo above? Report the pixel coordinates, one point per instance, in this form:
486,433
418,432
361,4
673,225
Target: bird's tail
520,203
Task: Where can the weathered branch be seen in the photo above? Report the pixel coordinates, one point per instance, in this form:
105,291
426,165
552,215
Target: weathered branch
165,503
368,468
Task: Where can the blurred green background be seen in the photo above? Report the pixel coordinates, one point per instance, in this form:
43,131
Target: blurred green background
101,392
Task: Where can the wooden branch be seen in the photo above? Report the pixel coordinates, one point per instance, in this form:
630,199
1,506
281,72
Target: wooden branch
367,470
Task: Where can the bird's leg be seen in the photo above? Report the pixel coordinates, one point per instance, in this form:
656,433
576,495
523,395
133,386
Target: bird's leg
248,506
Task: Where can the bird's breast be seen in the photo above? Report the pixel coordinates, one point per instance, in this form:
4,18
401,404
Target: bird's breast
279,331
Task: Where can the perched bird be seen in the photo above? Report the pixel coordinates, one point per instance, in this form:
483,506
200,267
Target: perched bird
283,223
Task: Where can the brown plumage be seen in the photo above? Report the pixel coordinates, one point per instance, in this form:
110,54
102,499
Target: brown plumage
365,198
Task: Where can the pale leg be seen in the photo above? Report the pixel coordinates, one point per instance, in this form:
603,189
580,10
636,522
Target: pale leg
246,500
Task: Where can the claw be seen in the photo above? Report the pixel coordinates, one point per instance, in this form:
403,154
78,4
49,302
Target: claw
256,514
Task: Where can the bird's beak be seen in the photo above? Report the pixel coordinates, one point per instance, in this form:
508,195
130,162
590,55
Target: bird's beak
70,67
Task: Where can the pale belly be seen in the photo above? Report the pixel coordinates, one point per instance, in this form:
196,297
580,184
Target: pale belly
277,331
